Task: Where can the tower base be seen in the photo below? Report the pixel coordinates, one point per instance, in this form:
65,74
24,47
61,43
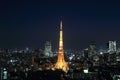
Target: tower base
62,65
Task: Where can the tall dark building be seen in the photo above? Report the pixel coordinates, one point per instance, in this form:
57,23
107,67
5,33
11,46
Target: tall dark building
86,53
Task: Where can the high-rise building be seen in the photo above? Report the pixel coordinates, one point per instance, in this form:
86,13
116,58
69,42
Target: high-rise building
61,63
92,48
85,53
33,60
48,49
4,74
112,47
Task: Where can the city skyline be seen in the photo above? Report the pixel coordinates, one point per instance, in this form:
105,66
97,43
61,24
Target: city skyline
32,23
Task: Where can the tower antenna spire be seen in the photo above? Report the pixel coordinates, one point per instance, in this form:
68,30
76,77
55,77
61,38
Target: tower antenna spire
60,24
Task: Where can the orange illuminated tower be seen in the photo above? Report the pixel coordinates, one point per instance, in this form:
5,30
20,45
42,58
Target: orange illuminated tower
61,64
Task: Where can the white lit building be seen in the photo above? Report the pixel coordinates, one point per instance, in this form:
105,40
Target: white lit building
48,49
112,47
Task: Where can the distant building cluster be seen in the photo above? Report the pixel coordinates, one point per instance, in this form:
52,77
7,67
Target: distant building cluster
37,64
84,61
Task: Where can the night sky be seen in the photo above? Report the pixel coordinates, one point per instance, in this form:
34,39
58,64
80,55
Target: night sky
32,23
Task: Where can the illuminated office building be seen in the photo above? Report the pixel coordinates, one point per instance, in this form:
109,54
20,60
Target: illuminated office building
48,49
92,49
112,47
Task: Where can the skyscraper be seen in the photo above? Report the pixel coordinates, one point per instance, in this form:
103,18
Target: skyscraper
112,47
92,49
48,49
61,64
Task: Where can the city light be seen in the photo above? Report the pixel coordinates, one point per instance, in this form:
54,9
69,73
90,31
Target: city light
85,71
